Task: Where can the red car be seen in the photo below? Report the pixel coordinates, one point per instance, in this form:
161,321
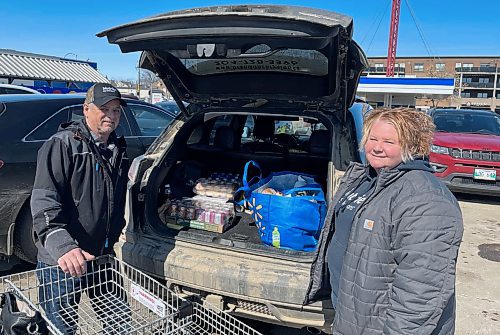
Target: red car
466,150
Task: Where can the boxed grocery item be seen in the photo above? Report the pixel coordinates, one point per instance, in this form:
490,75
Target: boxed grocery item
208,209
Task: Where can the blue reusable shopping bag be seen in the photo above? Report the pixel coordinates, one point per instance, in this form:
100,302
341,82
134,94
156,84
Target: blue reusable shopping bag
289,221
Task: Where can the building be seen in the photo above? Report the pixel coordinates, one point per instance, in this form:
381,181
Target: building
48,74
477,79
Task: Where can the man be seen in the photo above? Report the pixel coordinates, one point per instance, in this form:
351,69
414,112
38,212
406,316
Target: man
78,204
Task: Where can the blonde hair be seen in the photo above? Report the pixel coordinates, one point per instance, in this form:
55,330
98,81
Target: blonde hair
415,129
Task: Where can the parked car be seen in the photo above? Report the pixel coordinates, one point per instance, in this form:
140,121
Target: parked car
245,71
26,121
16,89
466,150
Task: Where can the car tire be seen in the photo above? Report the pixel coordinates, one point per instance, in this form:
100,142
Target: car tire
24,236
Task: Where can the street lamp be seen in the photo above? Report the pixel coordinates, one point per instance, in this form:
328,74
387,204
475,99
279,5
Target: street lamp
71,53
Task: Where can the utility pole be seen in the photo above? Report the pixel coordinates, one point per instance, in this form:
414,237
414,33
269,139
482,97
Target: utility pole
138,80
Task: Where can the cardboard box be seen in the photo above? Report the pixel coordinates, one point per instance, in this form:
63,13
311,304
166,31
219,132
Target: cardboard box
216,228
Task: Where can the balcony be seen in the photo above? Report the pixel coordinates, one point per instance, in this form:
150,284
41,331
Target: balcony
478,85
383,70
488,69
482,103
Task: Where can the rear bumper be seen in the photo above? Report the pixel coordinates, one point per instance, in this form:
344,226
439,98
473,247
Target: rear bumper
255,287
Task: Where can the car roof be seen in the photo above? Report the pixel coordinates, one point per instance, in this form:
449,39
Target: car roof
76,97
20,88
461,111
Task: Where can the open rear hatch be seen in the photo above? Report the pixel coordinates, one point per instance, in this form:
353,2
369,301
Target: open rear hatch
231,55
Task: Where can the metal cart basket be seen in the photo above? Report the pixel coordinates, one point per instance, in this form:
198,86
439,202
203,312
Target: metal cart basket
118,299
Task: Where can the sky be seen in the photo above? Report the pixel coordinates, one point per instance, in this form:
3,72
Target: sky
68,28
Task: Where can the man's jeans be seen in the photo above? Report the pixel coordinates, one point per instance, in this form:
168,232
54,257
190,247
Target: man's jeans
60,294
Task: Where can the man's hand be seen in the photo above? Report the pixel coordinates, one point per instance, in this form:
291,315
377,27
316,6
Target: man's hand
74,262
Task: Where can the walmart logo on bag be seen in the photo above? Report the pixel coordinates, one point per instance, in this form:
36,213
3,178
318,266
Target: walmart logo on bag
257,217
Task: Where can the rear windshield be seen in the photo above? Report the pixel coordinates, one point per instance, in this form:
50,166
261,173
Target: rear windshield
464,122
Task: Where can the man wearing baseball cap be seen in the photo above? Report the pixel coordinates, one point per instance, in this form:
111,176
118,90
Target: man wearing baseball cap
77,204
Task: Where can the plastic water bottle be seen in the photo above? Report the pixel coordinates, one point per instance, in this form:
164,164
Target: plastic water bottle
276,237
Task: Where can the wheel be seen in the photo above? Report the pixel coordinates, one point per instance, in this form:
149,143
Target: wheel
24,236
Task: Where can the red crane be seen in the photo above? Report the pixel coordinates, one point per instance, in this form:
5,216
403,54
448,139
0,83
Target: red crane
393,38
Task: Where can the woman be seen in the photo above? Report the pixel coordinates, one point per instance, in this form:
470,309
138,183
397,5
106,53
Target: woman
392,257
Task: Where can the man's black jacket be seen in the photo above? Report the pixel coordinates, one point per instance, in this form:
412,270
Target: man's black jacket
78,197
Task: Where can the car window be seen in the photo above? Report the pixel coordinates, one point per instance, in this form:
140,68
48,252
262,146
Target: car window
291,133
151,121
169,106
123,128
49,126
460,122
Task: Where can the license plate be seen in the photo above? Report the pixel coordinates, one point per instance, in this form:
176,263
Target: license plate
485,174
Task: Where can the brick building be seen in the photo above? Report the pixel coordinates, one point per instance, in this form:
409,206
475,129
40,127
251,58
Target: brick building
477,79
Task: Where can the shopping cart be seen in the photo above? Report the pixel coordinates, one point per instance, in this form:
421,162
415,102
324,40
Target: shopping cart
124,301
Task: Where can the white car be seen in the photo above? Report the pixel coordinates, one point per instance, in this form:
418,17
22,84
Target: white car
16,89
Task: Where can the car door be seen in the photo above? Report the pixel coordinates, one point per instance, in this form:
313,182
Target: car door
149,122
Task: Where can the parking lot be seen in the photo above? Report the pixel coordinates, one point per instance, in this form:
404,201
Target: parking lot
478,270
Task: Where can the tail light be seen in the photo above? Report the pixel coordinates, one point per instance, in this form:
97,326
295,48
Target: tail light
134,168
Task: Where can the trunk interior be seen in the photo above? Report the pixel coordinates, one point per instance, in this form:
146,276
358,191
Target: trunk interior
219,147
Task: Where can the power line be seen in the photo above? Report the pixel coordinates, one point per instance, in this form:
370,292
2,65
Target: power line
377,18
420,32
378,26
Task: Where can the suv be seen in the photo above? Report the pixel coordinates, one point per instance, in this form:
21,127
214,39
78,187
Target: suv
466,150
266,83
26,121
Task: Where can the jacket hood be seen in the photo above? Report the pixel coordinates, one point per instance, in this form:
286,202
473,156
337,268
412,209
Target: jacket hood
418,163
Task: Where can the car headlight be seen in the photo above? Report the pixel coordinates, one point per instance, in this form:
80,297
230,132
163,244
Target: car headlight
440,150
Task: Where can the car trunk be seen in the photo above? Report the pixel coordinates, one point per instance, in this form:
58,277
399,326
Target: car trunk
176,177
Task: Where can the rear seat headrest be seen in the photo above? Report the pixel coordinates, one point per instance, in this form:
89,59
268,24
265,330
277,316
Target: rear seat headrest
319,142
263,127
225,138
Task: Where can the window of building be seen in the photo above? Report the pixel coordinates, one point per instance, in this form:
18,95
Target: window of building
468,65
484,80
465,95
458,65
485,65
466,80
440,66
379,67
483,95
418,67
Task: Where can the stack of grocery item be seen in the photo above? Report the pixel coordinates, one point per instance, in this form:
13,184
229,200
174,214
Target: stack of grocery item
209,209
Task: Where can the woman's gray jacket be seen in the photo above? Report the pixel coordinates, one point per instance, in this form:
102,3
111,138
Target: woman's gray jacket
398,275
